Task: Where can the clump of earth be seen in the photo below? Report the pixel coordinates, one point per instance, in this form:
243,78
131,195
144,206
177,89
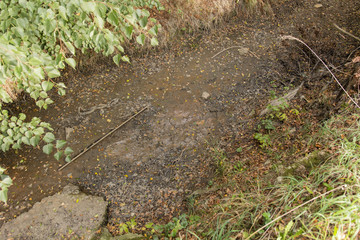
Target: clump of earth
206,86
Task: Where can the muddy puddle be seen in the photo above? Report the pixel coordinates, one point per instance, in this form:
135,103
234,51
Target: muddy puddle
193,94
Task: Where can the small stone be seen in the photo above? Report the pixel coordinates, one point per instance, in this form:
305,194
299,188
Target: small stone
68,132
318,5
205,95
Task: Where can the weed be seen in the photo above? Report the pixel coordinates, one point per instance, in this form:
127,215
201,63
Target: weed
239,167
220,160
264,139
323,203
172,228
128,226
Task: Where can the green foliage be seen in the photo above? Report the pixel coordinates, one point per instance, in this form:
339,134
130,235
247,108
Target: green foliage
171,229
277,111
264,139
220,158
323,203
5,183
39,38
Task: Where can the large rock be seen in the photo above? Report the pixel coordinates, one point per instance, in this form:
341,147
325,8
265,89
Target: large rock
69,214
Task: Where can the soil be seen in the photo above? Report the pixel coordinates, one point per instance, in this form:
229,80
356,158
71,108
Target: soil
206,86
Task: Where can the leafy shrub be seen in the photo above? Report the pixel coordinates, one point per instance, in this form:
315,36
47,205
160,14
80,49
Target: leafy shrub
39,38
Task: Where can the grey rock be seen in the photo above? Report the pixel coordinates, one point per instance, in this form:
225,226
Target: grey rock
66,214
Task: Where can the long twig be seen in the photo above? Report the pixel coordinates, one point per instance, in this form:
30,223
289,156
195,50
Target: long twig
292,210
332,74
102,138
351,35
226,50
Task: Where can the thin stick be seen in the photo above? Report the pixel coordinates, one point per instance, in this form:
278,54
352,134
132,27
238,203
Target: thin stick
332,74
311,200
102,138
226,50
351,35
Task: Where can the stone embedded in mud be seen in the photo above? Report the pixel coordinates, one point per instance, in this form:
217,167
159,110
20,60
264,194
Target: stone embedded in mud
205,95
70,213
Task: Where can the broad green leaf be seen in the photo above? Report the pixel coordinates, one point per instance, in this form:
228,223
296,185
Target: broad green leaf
4,195
128,31
143,22
48,148
154,30
48,101
6,181
43,94
10,132
35,95
141,39
61,91
71,62
53,73
18,71
125,59
154,41
88,6
39,73
47,85
60,144
22,116
68,151
61,85
121,49
113,18
40,103
35,61
117,59
58,155
15,146
38,131
34,141
68,159
4,96
25,140
62,12
100,22
70,47
49,137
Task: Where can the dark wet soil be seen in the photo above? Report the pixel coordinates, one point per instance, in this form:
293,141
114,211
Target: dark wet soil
195,93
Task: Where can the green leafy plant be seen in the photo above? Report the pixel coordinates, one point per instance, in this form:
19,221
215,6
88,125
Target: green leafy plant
277,111
128,226
264,139
220,160
5,183
172,228
39,38
239,167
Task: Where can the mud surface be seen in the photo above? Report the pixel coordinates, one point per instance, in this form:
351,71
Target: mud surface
195,93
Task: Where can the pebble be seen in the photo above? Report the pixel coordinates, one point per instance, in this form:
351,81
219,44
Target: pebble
318,5
205,95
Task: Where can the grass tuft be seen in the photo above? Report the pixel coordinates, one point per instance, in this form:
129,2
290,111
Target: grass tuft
322,204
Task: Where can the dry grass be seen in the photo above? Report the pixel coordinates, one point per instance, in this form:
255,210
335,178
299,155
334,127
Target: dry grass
11,89
192,15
